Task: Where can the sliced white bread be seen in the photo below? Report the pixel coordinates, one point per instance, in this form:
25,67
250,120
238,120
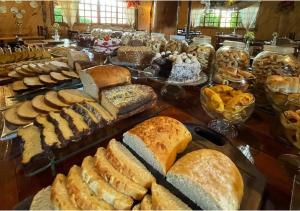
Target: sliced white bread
127,164
158,140
163,199
101,188
81,194
209,178
60,197
115,178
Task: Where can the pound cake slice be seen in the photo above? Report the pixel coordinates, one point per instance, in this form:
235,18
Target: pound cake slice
46,79
76,121
32,82
163,199
81,194
31,137
116,179
158,140
71,96
25,110
209,178
127,164
101,188
146,203
125,99
11,117
101,114
39,103
19,86
60,197
88,116
52,99
49,135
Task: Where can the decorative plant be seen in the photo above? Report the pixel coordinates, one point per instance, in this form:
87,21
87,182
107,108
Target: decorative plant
55,27
249,36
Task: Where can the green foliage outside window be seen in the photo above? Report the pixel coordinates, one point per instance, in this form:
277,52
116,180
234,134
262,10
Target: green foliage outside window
85,20
58,14
234,20
212,19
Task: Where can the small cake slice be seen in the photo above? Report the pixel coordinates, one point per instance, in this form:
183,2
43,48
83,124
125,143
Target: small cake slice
19,86
12,117
146,203
62,125
49,135
76,121
51,98
58,76
32,82
81,194
31,137
70,74
39,103
163,199
25,110
46,79
88,116
71,96
60,197
101,114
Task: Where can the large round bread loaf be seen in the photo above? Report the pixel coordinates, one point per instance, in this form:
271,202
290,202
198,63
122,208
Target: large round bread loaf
209,178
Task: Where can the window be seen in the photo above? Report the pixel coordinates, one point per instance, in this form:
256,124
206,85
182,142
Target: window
225,18
100,11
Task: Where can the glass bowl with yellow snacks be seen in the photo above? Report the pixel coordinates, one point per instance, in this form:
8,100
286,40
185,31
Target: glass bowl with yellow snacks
283,92
225,102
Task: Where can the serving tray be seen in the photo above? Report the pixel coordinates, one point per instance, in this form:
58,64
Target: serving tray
254,181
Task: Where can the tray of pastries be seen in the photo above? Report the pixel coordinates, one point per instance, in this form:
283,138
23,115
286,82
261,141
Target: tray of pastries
160,164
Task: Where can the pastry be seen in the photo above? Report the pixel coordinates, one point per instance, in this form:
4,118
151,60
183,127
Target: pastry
101,188
177,45
76,121
104,76
80,193
221,190
32,82
52,99
138,55
88,116
101,114
32,146
39,104
158,140
11,117
46,79
283,84
123,161
124,99
49,136
163,199
25,110
70,74
58,76
60,197
19,86
115,178
14,74
71,96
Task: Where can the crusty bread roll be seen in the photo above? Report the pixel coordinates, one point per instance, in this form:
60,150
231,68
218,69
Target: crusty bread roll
101,188
127,164
115,178
60,197
163,199
158,140
81,194
103,76
209,178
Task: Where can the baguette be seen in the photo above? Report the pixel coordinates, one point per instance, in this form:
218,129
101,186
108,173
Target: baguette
163,199
209,178
146,203
81,194
59,194
128,165
101,188
158,140
115,178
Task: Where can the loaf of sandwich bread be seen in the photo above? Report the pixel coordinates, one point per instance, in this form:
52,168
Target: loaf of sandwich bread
103,76
209,178
158,140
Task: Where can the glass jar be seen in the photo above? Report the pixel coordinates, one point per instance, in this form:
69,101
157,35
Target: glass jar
275,60
201,48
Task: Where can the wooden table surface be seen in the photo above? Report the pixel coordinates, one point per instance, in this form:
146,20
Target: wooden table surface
256,139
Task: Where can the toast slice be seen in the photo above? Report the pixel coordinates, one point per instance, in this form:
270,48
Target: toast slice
146,203
116,179
127,164
46,79
32,82
51,98
88,116
163,199
19,86
49,136
81,194
12,117
76,121
58,76
31,137
39,104
101,188
60,197
71,96
70,74
62,127
26,111
99,112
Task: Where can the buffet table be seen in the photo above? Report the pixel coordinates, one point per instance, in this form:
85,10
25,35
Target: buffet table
255,139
